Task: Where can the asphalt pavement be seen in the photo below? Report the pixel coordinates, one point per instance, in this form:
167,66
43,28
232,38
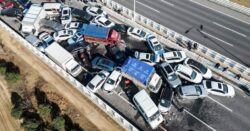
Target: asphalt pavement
220,32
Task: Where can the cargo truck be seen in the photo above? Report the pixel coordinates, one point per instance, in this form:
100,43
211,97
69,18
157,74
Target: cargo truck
63,58
142,74
31,19
100,35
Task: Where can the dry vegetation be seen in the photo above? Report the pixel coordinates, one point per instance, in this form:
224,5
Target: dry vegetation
242,2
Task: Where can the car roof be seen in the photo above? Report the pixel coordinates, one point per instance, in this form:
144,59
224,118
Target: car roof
96,79
143,55
114,75
103,19
93,8
184,69
195,63
191,89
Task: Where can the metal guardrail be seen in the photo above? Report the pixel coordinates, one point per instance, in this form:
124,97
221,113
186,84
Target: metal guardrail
233,6
95,99
227,68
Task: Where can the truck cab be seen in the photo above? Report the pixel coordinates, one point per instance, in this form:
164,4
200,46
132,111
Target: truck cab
6,4
155,83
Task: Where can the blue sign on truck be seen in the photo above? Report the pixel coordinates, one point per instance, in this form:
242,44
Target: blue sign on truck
141,74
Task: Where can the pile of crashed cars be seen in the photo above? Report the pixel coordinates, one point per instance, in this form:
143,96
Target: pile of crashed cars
185,76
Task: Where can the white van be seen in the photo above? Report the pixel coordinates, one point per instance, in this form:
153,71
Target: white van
148,109
52,9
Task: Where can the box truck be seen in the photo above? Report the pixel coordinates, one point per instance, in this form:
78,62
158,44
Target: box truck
63,58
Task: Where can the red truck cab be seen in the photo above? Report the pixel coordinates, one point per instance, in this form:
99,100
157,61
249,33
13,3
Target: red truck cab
100,35
6,4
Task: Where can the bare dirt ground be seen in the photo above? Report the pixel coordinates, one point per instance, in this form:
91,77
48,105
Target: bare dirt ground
82,110
242,2
7,122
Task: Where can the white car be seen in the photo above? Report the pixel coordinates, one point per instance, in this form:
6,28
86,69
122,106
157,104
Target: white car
137,33
113,81
97,82
95,11
66,16
188,73
73,25
63,35
154,45
174,56
103,22
219,88
206,72
148,58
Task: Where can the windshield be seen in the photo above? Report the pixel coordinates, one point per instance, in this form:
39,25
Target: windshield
143,34
157,47
198,90
107,22
193,75
155,116
110,81
172,77
198,65
165,103
101,75
208,84
75,68
225,88
99,11
91,86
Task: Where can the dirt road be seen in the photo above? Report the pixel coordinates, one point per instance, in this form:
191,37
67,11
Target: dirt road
7,122
82,104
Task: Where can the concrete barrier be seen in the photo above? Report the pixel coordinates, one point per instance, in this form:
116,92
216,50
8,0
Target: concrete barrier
95,99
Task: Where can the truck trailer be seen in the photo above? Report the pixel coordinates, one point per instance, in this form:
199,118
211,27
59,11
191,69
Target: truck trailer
63,58
31,19
142,74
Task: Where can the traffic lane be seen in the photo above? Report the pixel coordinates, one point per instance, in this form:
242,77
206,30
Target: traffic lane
222,32
209,15
216,116
218,46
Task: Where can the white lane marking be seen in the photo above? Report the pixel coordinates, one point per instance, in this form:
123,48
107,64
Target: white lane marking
199,120
220,104
229,29
148,7
167,3
217,38
220,12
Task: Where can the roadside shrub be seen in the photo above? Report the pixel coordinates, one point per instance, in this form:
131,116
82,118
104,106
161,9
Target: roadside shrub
2,70
44,110
31,124
58,123
12,77
16,112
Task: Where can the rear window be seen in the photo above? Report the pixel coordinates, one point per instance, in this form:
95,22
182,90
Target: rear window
208,84
168,69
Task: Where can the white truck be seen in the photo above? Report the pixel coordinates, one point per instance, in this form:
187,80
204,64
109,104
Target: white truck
31,19
142,74
63,58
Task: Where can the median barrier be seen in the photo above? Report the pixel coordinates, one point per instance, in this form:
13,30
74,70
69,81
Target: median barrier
234,6
75,83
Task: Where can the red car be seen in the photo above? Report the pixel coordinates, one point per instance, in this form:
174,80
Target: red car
6,4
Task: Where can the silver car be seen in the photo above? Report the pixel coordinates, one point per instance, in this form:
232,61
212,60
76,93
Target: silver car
192,92
168,74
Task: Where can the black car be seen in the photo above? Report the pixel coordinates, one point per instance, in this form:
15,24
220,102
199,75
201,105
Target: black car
165,101
81,15
12,12
122,28
52,25
115,52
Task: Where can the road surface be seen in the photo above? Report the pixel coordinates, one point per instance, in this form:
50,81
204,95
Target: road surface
222,33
